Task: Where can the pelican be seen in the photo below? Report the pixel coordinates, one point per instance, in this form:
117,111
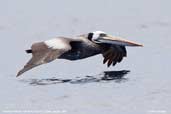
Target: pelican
112,49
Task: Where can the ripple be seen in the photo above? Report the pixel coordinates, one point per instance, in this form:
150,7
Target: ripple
106,76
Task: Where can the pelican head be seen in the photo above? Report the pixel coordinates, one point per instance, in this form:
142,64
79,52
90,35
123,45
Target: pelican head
102,37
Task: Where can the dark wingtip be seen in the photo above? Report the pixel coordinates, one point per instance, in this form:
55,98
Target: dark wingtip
19,73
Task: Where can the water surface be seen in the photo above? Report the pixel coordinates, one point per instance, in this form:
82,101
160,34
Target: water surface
139,84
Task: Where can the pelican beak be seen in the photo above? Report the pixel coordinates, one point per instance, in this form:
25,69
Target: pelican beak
117,41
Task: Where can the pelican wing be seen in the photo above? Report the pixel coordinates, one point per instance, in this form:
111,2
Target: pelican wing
42,53
114,55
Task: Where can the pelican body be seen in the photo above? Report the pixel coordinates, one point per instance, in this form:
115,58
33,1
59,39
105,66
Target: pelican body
82,46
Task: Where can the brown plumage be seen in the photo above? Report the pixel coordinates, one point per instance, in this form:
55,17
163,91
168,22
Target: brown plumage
83,46
114,55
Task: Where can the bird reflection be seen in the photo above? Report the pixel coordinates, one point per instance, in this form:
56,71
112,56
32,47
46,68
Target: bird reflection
106,76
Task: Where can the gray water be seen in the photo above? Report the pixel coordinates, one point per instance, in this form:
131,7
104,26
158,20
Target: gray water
139,84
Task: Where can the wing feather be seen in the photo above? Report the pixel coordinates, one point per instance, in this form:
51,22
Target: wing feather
42,54
114,54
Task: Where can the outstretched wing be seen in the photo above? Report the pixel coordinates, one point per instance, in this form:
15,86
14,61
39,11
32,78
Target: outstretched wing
45,52
114,54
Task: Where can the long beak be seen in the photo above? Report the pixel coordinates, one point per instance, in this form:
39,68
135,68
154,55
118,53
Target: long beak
118,41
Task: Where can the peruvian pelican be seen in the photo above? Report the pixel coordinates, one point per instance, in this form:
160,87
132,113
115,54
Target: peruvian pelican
82,46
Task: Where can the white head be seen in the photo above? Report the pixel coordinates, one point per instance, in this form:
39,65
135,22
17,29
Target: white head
93,36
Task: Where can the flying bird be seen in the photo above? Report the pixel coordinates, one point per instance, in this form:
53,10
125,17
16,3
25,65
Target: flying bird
112,49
